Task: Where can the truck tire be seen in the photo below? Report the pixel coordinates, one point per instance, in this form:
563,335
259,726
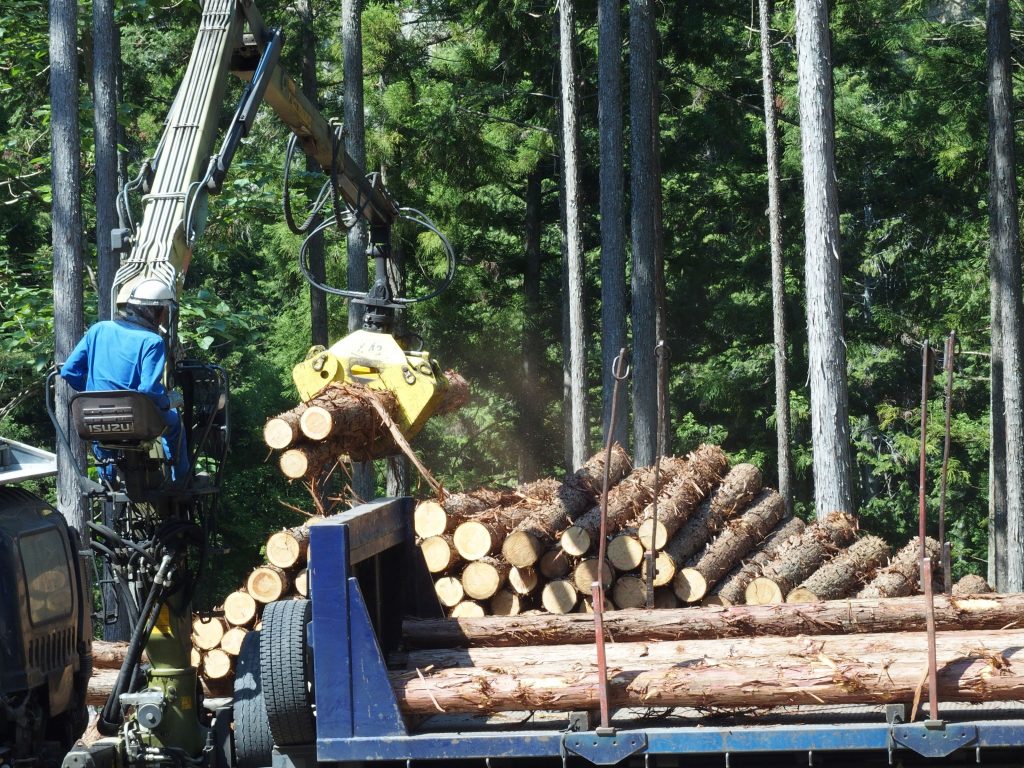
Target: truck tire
253,744
284,661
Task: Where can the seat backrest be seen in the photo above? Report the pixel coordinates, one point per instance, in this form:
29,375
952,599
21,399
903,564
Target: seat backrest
119,416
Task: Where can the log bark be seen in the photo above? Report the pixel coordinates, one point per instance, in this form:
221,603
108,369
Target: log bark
240,609
287,549
704,469
283,430
903,574
108,654
100,685
529,539
439,553
844,573
730,590
482,578
341,414
971,584
456,395
485,532
900,614
267,584
739,537
763,672
626,501
800,557
207,633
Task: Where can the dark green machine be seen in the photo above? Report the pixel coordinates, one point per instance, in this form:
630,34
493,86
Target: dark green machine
45,627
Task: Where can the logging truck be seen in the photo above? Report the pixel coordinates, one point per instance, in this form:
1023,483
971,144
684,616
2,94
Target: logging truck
367,670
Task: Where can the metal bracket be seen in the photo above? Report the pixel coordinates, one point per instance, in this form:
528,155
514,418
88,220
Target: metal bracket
934,739
605,749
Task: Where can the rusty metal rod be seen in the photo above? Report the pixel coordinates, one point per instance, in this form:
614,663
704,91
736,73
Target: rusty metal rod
922,480
947,365
929,602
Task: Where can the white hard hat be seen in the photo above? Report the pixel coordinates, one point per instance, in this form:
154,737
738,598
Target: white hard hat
151,293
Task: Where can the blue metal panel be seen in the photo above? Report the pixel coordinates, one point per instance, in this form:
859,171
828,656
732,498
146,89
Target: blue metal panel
332,667
374,707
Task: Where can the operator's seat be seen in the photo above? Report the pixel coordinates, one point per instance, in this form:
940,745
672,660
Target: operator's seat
121,419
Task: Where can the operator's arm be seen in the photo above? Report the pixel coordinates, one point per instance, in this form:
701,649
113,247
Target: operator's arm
75,370
151,371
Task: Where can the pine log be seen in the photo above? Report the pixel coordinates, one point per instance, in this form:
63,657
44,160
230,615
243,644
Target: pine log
287,548
307,460
720,556
433,518
195,658
664,568
902,575
730,590
217,665
523,581
971,584
475,539
625,552
585,574
554,564
207,633
267,584
900,614
449,591
858,669
231,643
301,583
843,574
626,501
100,685
485,532
704,469
283,430
507,603
525,544
456,394
801,556
108,654
240,609
482,578
629,592
439,553
342,416
468,609
560,596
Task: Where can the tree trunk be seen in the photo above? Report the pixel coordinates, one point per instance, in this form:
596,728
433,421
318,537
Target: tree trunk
613,238
307,461
844,573
104,87
730,591
341,416
207,634
559,597
439,553
826,350
1004,262
704,469
482,578
903,574
741,536
66,227
644,223
530,414
573,232
764,672
771,133
626,502
899,614
801,556
282,430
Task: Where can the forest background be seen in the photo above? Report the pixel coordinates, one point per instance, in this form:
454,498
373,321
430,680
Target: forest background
462,113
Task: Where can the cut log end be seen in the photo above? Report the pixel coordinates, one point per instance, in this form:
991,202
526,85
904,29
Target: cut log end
646,535
316,422
216,664
585,574
482,578
554,564
473,540
438,553
449,591
689,585
506,603
267,584
286,549
559,596
429,519
231,643
625,552
467,609
523,580
762,591
801,595
576,541
207,634
301,583
629,592
239,608
279,433
522,549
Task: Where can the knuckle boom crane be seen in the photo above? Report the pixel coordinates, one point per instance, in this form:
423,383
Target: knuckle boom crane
153,535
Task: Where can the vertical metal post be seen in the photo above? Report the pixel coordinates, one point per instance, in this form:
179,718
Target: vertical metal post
926,355
660,352
929,604
620,371
947,365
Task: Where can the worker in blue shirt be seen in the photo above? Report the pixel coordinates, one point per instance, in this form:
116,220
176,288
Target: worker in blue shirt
129,353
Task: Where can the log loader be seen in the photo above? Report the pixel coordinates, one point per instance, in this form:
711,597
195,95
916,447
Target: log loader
154,534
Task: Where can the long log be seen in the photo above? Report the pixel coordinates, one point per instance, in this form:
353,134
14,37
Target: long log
902,575
740,536
764,672
456,394
107,654
626,501
844,573
899,614
704,468
485,531
801,556
100,685
730,590
525,543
